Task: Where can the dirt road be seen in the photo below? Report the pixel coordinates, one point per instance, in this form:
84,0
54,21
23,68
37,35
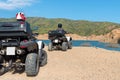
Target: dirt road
80,63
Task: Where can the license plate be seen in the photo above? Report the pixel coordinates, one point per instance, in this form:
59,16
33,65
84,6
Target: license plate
10,51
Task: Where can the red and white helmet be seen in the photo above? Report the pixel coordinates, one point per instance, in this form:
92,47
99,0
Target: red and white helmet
20,16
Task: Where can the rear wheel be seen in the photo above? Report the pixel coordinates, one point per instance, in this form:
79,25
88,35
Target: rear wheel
2,70
32,64
1,59
64,46
50,46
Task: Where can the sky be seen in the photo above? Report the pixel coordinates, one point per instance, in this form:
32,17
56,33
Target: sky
92,10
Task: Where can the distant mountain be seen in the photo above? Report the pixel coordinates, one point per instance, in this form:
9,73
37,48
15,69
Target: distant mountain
81,27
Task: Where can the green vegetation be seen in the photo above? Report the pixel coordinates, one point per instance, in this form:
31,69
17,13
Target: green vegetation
80,27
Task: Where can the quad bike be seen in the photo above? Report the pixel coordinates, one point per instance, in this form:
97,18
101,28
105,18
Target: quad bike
59,41
19,49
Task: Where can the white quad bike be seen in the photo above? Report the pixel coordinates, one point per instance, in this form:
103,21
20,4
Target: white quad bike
59,41
19,49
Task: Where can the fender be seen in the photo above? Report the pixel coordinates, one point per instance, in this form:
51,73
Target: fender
40,45
69,38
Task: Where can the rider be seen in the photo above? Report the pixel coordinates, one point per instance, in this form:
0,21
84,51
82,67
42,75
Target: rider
60,29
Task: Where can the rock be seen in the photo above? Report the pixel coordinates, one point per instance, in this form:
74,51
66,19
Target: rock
113,36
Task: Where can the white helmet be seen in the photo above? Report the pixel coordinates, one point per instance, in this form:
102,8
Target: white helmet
20,16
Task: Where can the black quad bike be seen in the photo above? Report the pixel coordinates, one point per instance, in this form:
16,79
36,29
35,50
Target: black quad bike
19,49
58,40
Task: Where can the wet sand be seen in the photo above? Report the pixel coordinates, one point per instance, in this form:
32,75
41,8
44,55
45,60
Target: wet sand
80,63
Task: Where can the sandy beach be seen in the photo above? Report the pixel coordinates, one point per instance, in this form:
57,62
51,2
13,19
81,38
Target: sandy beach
80,63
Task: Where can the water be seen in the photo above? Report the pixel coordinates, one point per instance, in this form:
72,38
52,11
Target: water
89,43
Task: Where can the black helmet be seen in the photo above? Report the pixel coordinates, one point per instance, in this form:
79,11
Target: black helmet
59,25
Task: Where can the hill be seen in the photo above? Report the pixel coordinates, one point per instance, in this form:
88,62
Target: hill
81,27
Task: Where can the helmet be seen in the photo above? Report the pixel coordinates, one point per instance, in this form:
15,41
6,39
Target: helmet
20,16
59,25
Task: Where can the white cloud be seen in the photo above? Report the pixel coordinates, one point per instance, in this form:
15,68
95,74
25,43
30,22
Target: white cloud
13,4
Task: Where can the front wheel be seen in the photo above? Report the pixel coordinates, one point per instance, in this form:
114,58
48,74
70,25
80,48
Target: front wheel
70,45
50,46
43,60
64,46
32,64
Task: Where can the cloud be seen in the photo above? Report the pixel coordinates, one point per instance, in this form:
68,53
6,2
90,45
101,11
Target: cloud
14,4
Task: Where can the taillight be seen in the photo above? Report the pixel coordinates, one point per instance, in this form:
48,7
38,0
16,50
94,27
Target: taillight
22,47
25,40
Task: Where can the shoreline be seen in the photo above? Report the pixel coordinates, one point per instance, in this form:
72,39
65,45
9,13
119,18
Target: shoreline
74,37
94,44
100,38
